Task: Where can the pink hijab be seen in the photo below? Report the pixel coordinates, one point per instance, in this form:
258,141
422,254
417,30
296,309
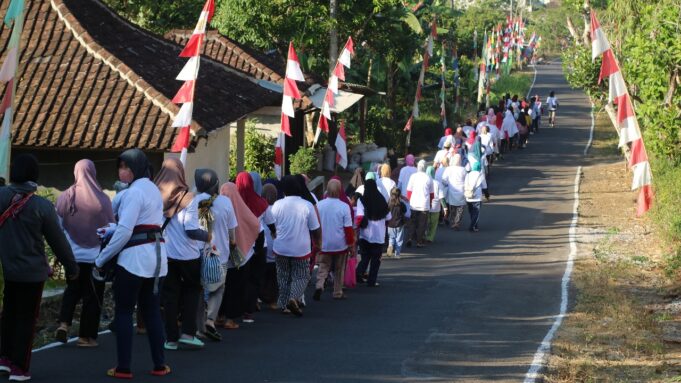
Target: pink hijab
84,207
249,225
409,160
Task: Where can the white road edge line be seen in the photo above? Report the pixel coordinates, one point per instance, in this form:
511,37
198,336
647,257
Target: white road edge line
533,375
591,132
533,80
57,344
540,356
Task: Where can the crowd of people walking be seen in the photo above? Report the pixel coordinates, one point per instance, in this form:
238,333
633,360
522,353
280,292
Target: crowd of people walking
189,260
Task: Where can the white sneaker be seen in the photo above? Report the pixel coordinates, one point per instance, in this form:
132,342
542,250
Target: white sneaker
397,256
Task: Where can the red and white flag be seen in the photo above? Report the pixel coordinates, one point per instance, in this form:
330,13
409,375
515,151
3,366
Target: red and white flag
291,92
279,151
341,147
337,75
630,132
189,74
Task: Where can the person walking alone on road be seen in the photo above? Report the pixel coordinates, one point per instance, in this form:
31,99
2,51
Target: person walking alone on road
83,208
27,221
552,102
371,217
338,236
420,193
473,186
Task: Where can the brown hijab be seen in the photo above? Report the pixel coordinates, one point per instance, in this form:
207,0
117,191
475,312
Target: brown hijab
174,190
84,207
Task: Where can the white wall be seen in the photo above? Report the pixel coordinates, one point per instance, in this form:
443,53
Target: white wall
212,153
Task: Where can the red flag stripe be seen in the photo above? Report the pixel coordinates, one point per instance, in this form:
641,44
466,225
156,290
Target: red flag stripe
638,152
323,124
193,47
181,140
285,125
186,93
645,200
609,65
291,88
624,108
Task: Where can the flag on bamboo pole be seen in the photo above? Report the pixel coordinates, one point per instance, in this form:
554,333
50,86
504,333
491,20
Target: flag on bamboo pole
291,92
457,79
189,75
338,74
14,18
443,109
341,147
630,132
279,150
427,54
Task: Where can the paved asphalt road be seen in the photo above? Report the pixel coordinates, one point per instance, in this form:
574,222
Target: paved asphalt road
471,307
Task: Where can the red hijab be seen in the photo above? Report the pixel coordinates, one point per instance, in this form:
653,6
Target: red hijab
500,120
244,184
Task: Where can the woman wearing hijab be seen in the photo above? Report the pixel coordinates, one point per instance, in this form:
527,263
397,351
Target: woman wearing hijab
405,173
387,184
436,205
453,180
475,183
296,223
255,269
27,222
420,193
234,300
83,208
216,215
184,237
338,236
269,290
372,214
356,181
141,264
257,182
441,143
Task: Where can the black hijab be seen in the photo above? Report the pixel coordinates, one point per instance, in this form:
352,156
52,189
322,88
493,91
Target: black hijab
290,186
138,163
24,168
375,207
206,181
304,191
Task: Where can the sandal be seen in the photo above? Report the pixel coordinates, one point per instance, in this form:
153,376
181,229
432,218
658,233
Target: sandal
62,334
163,371
230,325
112,372
86,343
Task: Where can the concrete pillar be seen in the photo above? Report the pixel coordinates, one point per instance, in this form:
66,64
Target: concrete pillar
240,144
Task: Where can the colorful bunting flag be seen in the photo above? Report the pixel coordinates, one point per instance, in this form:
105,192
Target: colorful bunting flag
279,150
291,92
337,75
341,147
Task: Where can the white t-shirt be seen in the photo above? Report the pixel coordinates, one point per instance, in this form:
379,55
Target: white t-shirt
477,181
375,230
141,204
552,102
487,142
294,218
403,180
82,254
385,186
335,216
224,219
440,155
178,245
420,186
439,191
453,179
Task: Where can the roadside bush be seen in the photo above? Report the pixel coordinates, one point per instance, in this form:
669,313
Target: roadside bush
303,161
258,153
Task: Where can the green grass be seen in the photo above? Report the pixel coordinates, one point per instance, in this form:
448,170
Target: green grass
518,83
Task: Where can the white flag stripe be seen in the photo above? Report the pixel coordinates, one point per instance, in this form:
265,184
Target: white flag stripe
599,44
642,175
415,109
629,131
201,24
342,151
333,84
6,125
345,58
293,70
9,67
287,106
326,110
617,86
190,71
184,116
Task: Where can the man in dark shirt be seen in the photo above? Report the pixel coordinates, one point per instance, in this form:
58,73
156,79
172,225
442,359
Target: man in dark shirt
26,222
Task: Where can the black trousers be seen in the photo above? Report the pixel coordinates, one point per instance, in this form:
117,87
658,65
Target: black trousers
91,292
20,308
256,275
181,294
233,301
269,290
130,289
371,259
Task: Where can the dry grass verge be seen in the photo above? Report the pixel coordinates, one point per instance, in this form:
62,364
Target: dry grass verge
622,326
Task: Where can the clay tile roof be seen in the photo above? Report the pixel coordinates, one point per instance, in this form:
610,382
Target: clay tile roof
90,80
240,57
